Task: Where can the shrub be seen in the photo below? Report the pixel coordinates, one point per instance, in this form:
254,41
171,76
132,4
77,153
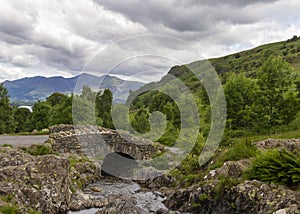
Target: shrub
224,183
237,151
75,160
38,149
278,166
7,198
10,209
7,145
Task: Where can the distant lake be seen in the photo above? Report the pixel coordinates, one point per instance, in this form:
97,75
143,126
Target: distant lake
28,107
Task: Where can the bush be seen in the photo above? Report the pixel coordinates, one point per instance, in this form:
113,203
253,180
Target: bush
38,149
278,166
10,209
7,198
75,160
223,185
237,151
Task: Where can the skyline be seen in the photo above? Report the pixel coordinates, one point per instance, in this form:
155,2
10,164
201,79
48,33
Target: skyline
59,38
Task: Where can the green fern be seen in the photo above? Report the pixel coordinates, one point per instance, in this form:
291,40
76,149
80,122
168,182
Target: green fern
278,166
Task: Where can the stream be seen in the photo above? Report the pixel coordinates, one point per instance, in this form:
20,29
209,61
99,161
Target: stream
149,201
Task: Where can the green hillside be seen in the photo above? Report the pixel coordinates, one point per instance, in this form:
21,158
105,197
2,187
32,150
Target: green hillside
250,60
261,87
247,62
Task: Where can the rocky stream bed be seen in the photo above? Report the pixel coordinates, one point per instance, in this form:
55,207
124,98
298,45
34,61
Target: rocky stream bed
142,200
71,183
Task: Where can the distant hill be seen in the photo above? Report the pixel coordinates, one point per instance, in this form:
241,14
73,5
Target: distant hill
39,88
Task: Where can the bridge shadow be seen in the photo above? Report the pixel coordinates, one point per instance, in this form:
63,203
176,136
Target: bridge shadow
118,164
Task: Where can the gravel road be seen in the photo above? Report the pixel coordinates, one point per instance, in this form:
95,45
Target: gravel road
27,140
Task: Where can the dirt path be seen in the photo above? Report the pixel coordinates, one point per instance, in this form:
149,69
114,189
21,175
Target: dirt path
27,140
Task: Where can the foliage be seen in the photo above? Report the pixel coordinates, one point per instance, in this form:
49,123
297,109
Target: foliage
74,160
7,124
40,115
277,101
7,145
61,109
191,162
22,117
236,151
103,108
10,209
240,94
7,198
147,103
38,149
278,166
140,120
224,183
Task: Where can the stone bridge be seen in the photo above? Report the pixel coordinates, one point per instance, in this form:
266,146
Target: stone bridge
97,142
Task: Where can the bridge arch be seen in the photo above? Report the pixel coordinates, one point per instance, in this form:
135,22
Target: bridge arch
118,164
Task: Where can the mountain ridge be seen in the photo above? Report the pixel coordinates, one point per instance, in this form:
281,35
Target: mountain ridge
40,87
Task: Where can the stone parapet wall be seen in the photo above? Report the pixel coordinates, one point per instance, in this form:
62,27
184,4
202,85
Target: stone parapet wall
97,141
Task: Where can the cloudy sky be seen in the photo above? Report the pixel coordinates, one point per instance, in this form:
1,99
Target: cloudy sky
134,39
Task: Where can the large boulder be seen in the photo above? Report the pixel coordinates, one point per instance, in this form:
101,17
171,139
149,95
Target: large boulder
42,183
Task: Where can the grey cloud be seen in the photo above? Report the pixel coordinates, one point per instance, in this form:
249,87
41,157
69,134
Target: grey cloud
185,15
17,23
234,3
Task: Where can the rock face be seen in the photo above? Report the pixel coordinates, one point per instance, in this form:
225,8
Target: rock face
247,197
289,144
223,190
95,141
49,183
42,183
214,197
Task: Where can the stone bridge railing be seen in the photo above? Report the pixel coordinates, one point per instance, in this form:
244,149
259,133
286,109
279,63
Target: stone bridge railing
95,141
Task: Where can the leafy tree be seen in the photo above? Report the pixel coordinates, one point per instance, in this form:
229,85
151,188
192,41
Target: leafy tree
40,115
103,108
240,94
81,109
22,118
7,124
140,121
277,102
61,111
121,117
55,98
88,94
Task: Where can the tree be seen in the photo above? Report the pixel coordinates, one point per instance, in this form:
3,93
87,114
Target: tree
7,124
55,98
61,110
277,102
103,108
22,118
240,94
40,115
140,121
88,94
